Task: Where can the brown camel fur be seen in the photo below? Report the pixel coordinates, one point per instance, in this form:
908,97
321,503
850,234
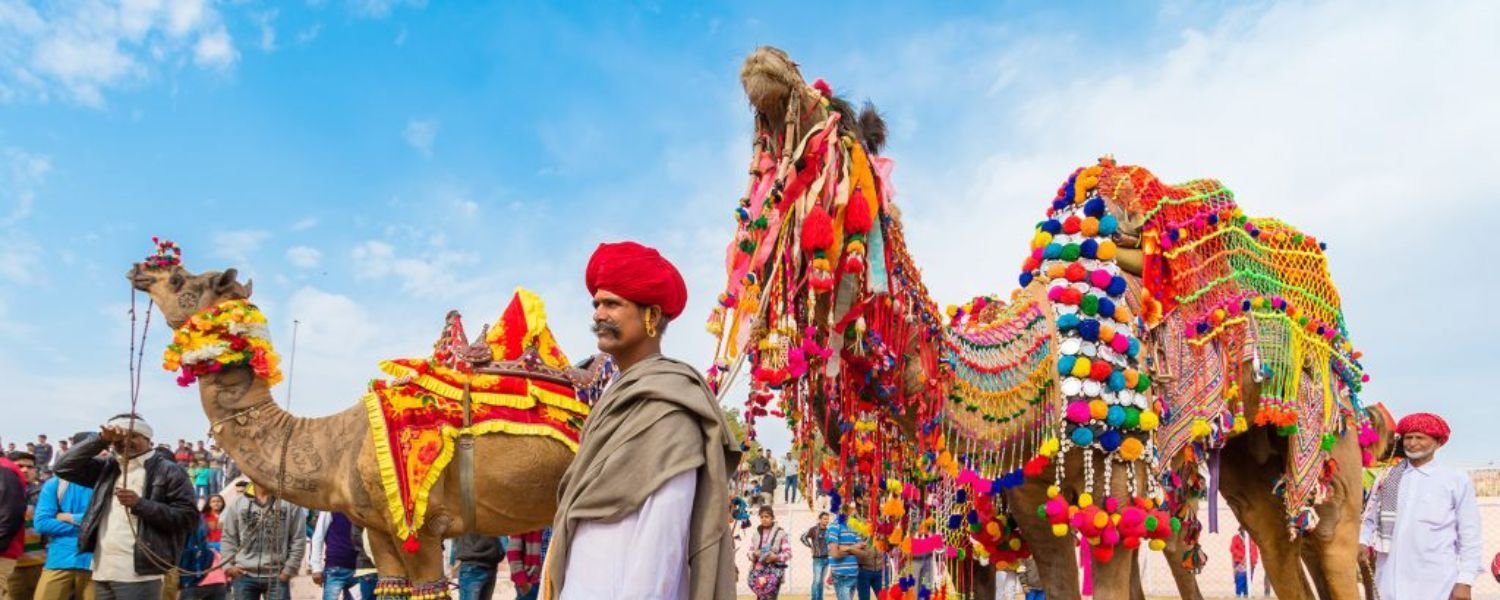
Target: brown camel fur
328,463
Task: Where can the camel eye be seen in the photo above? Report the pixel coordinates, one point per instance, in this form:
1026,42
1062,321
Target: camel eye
177,281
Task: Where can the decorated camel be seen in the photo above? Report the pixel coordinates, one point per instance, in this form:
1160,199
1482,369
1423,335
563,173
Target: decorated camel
383,461
1035,417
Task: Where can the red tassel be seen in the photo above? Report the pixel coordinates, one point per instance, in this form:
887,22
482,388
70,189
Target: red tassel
411,545
857,217
817,231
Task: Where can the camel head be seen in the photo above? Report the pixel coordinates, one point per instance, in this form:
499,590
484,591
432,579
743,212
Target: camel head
816,211
782,99
179,294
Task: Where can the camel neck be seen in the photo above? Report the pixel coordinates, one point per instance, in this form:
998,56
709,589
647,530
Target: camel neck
276,449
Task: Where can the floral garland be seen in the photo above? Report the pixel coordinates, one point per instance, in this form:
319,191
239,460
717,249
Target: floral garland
231,333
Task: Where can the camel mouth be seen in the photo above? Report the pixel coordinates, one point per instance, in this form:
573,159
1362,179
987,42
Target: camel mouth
139,279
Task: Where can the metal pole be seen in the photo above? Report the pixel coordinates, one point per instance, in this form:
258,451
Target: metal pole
291,369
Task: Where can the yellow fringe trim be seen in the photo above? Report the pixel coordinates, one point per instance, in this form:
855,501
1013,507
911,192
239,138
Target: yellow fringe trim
421,491
447,390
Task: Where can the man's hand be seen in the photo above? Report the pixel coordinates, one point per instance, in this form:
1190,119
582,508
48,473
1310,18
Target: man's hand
283,577
66,518
111,434
1461,591
523,588
233,572
318,578
127,497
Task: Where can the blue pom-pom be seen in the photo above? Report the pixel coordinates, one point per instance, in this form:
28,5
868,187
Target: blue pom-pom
1094,207
1134,349
1088,329
995,487
1089,248
1052,226
1061,203
962,496
1114,418
1106,307
1025,279
1065,364
1116,381
1052,251
1116,286
1082,436
1322,245
1255,233
1067,322
1174,234
1110,440
1108,224
1245,306
972,517
835,501
955,521
1201,328
1213,219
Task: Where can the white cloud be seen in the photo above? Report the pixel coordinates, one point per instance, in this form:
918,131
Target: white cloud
304,257
21,173
420,135
79,50
214,49
304,224
430,275
266,21
238,245
379,9
306,36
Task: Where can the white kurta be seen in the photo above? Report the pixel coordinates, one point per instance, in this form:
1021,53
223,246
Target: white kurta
1436,540
642,556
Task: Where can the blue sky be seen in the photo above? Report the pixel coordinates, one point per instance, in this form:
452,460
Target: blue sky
374,163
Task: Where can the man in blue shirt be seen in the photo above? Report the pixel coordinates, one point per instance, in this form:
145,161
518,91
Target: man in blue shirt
59,509
843,543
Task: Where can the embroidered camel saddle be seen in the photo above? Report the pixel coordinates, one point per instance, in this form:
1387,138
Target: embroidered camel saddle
513,380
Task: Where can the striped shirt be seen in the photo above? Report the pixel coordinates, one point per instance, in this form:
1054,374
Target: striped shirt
848,565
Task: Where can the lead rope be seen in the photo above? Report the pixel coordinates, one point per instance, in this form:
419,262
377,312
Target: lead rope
136,358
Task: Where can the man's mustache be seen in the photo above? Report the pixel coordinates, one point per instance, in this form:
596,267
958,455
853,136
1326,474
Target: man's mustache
601,327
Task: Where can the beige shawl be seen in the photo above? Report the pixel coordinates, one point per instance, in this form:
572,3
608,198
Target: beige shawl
656,422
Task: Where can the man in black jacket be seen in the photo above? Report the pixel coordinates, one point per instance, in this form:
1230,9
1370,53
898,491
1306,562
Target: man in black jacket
141,513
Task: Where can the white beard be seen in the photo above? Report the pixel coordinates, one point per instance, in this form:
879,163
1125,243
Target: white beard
1410,455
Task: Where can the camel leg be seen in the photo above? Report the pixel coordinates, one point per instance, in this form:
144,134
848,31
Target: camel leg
1186,580
1336,539
1137,585
1247,488
1112,580
389,563
1056,557
1314,562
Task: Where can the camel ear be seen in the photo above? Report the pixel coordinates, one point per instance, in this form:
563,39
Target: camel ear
227,285
249,287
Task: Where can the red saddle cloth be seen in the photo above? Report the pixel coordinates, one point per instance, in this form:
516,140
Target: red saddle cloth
416,418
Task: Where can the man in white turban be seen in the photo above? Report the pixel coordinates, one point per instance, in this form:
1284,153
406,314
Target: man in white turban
140,495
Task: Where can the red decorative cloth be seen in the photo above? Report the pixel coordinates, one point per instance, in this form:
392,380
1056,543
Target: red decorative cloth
638,274
1428,423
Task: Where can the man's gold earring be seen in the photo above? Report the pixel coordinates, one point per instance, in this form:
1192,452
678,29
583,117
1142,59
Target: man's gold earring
650,325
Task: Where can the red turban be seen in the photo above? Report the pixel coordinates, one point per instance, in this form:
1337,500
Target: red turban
1426,423
638,274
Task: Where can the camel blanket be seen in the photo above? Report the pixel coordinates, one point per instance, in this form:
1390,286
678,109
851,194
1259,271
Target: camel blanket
657,421
416,418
